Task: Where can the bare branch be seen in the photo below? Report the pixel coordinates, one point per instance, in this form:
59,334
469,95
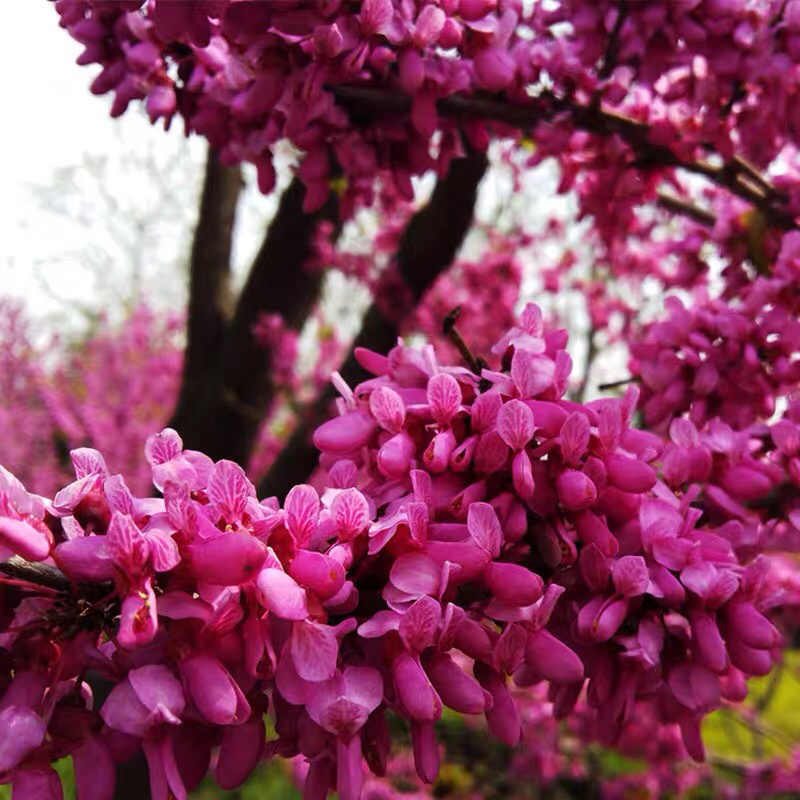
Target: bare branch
678,205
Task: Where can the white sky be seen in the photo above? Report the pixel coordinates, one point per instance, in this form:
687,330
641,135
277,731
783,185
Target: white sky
53,122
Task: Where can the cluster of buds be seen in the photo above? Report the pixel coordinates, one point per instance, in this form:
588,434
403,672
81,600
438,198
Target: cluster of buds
467,533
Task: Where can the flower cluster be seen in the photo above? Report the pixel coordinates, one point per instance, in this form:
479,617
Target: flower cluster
467,534
695,360
245,75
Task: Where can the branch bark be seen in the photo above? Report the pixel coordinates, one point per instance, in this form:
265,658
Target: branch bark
223,413
427,248
210,299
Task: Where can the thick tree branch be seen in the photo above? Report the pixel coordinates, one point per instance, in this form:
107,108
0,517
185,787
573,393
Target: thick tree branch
210,300
223,416
739,177
428,246
35,573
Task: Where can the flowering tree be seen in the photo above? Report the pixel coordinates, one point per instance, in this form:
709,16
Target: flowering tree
462,529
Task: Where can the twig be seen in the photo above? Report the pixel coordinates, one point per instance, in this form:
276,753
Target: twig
452,333
604,387
679,206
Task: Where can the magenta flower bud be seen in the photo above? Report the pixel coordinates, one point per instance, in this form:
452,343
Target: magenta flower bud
494,69
575,490
522,475
24,540
695,686
23,731
410,71
318,572
750,625
461,457
552,659
426,750
280,594
751,660
240,751
733,685
459,691
377,743
437,454
229,559
502,717
42,783
95,771
430,23
394,457
630,474
85,558
594,568
592,530
473,639
707,641
150,696
745,483
414,689
138,617
349,768
467,555
601,618
475,9
466,498
160,102
451,34
513,584
213,692
344,434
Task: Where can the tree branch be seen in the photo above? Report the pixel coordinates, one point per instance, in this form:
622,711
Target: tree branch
428,246
737,176
678,205
210,300
223,416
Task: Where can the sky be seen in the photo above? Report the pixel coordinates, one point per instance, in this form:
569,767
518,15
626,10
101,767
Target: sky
52,123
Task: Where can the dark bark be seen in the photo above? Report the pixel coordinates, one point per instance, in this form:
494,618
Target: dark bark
210,299
428,246
222,415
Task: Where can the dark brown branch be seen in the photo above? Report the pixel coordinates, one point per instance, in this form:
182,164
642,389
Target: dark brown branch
35,573
210,300
428,246
677,205
361,100
612,47
222,419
